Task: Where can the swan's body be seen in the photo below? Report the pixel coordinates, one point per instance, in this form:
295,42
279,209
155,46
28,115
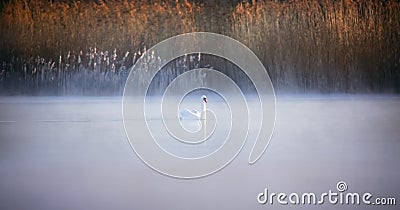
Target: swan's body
193,114
187,114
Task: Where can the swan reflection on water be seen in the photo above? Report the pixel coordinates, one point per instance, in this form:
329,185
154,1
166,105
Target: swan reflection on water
192,126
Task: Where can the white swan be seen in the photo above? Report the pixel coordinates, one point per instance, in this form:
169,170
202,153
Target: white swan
193,114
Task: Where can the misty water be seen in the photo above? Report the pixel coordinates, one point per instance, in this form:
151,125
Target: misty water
72,153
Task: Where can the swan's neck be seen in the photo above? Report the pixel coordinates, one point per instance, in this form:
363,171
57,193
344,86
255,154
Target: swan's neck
203,110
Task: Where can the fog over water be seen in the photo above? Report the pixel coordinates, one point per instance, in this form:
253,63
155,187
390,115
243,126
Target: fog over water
72,153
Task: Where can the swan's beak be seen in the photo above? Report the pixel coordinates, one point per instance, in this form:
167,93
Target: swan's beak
205,100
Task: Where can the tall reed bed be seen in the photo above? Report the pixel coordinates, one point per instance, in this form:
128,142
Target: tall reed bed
49,29
317,45
93,72
343,45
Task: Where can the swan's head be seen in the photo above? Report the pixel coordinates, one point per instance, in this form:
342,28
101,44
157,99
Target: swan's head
204,98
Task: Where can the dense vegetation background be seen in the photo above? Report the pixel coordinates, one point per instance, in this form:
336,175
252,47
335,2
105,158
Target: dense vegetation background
87,47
